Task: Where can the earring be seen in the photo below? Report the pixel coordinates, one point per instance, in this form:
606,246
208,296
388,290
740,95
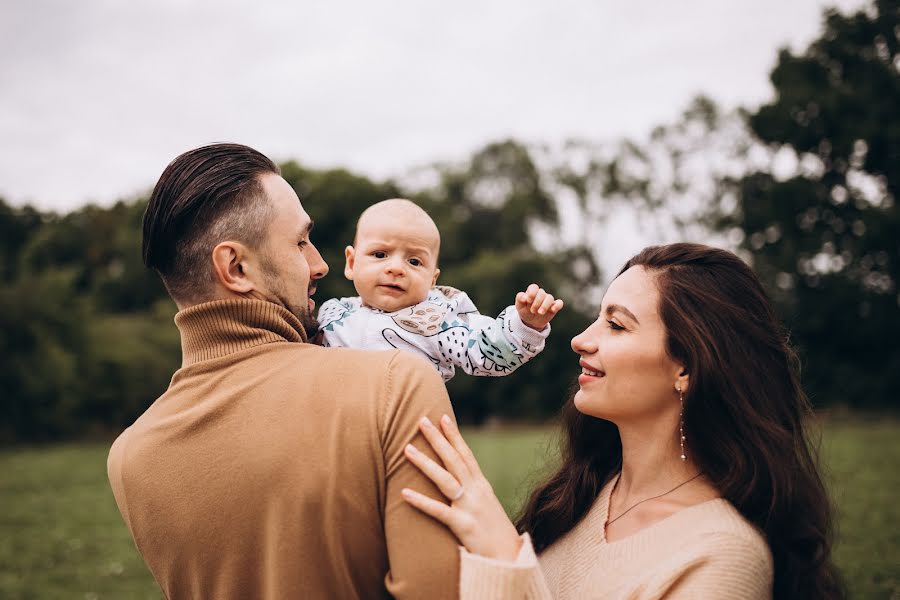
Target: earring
681,421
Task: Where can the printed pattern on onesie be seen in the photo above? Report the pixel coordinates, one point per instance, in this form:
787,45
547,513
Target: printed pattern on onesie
446,329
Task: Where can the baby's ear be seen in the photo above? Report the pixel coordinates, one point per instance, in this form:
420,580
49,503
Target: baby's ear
434,279
350,255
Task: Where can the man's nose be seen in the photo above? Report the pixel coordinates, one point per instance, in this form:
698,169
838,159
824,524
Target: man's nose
318,268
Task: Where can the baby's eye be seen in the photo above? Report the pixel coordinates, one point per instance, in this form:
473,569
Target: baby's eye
379,254
415,262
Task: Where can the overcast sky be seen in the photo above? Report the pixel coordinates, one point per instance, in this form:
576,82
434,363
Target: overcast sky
97,96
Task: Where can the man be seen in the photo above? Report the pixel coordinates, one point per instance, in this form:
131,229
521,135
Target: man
271,467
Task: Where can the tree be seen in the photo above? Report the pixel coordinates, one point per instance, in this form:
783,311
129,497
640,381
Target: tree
823,227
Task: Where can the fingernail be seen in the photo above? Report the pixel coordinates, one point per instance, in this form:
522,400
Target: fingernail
426,422
406,493
445,420
411,449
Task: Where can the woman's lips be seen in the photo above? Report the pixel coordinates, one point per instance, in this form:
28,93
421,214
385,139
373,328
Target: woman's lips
589,373
583,379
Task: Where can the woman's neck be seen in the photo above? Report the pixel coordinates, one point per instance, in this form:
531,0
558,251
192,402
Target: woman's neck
651,460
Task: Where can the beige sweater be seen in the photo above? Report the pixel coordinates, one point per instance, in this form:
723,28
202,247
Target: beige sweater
704,551
272,468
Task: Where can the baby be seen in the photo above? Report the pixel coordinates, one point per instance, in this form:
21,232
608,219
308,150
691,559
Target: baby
393,266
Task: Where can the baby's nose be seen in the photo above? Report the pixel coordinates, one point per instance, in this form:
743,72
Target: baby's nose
396,266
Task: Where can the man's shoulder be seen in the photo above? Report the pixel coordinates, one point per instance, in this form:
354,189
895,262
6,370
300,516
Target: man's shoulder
358,361
389,363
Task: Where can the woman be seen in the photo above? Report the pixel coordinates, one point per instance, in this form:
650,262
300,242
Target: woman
686,471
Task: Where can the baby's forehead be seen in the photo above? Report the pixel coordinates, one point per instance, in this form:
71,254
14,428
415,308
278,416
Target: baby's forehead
398,218
395,210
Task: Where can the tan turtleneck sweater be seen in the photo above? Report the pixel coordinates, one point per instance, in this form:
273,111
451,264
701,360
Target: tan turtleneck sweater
703,552
272,468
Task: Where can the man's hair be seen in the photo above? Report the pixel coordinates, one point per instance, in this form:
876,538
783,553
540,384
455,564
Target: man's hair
204,197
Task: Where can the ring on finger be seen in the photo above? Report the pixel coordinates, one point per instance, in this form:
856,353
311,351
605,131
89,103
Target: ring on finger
458,494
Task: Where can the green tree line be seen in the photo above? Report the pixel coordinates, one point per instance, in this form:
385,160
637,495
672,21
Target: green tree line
804,187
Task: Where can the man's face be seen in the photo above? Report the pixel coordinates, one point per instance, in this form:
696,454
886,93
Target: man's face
290,261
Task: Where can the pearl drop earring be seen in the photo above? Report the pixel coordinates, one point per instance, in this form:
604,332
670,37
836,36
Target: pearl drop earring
681,421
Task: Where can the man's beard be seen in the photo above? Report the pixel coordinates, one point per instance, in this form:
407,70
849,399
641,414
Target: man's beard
281,296
309,321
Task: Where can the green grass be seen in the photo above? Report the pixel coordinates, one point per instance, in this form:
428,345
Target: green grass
62,537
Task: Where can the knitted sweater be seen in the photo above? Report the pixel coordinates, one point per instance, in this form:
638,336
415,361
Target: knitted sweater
704,551
272,468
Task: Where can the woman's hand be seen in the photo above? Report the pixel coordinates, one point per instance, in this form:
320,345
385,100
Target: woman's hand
474,515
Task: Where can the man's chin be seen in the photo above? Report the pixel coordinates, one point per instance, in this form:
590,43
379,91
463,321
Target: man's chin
310,326
306,318
309,322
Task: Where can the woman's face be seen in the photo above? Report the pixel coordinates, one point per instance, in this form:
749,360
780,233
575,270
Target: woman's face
627,374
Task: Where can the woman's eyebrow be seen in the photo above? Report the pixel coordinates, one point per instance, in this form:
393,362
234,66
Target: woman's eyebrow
610,309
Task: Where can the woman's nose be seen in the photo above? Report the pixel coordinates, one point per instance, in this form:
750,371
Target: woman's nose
584,342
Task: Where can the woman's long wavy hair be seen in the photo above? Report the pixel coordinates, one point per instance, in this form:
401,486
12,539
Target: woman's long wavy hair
745,419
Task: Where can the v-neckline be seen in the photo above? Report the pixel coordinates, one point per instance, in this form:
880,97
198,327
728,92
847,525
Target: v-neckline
619,543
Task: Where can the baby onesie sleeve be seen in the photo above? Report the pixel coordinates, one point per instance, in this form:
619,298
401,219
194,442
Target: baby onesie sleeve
486,346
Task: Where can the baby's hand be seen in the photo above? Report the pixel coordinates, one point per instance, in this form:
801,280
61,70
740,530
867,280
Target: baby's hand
536,307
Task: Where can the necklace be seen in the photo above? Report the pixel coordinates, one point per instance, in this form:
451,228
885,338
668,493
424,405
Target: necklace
608,522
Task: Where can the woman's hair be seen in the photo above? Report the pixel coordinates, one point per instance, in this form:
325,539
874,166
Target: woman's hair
745,419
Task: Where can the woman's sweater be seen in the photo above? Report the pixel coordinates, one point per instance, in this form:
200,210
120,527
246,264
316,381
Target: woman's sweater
704,551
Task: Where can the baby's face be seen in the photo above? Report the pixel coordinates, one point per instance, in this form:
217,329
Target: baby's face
394,263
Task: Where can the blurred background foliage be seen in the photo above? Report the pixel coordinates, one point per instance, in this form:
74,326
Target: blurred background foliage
804,188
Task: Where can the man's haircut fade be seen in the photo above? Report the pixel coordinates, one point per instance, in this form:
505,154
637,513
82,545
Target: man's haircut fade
205,196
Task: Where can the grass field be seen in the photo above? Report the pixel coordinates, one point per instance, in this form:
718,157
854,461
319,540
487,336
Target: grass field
61,535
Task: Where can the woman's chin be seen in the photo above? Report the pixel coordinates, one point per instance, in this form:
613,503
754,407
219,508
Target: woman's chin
592,405
585,404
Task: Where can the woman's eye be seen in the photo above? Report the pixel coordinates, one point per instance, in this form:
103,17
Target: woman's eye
379,254
302,243
615,326
415,262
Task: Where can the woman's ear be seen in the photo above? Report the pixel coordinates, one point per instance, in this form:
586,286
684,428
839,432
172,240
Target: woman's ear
230,264
350,255
682,383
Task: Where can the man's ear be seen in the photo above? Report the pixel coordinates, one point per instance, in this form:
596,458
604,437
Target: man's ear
230,264
350,255
437,272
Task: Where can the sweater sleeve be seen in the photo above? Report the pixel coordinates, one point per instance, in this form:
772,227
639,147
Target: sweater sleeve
495,347
422,554
483,578
730,568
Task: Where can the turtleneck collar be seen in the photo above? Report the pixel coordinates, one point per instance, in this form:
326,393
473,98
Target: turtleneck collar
221,327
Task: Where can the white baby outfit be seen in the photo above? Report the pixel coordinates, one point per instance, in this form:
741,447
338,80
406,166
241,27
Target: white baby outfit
445,328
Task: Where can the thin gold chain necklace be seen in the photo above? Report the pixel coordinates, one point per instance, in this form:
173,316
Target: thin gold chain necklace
683,483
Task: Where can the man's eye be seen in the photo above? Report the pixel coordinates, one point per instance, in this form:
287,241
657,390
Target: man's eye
379,254
615,326
303,243
415,262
